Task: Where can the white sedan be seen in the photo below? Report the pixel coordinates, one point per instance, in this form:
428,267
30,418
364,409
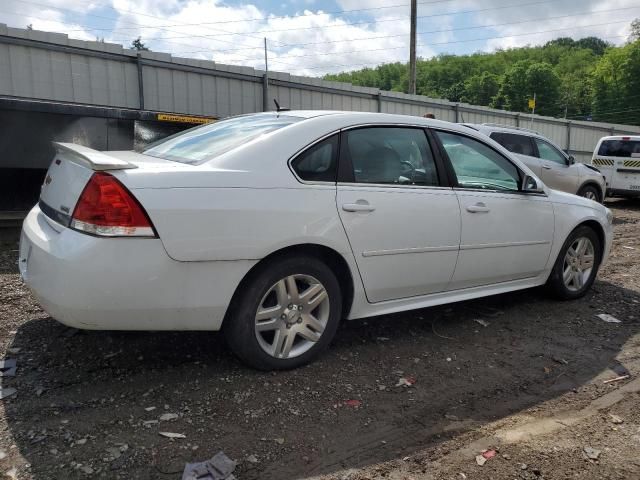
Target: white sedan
275,226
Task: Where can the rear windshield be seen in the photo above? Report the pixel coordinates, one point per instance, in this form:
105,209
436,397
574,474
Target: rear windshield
620,148
200,144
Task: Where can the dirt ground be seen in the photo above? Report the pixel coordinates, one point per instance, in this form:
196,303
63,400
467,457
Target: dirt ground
529,386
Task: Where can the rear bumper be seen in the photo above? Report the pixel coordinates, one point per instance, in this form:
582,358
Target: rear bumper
122,283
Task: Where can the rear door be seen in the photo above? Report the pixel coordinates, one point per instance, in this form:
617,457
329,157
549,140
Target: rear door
506,234
402,220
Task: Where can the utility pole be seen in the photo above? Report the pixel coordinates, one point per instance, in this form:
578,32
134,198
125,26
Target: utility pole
265,81
412,48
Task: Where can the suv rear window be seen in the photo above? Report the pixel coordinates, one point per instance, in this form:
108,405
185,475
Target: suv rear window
620,148
514,143
200,144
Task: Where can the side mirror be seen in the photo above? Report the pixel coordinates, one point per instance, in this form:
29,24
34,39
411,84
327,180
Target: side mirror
531,185
571,160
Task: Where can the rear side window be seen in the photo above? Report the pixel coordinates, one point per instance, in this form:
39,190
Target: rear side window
620,148
318,163
514,143
390,155
200,144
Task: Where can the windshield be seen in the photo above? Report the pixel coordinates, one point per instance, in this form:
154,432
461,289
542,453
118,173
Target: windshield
620,148
203,143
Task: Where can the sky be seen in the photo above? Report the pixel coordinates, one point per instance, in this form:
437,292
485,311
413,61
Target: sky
315,37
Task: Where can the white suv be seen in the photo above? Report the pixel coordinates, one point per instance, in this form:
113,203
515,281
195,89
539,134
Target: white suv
554,167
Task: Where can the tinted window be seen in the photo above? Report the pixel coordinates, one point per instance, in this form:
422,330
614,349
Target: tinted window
620,148
318,163
547,151
197,145
476,165
390,156
514,143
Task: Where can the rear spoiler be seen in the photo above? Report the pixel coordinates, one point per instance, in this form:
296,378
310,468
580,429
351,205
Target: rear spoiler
91,158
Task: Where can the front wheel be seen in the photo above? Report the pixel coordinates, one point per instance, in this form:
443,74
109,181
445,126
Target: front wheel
577,264
286,314
590,192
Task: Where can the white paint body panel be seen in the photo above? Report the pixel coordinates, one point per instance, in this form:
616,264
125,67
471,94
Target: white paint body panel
408,245
217,220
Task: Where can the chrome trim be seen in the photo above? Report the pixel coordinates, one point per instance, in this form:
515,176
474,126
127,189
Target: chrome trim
401,251
502,245
392,185
507,192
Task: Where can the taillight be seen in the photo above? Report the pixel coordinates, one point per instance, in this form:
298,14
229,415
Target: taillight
107,208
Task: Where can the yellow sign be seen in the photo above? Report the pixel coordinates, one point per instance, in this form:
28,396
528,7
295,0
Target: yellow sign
166,117
532,103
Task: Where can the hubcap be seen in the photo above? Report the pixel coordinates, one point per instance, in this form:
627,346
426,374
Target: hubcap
292,316
590,194
578,264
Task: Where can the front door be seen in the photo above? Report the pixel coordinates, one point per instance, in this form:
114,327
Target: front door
506,235
403,226
557,172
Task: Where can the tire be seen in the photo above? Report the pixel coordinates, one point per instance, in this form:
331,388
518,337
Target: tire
591,192
579,279
293,330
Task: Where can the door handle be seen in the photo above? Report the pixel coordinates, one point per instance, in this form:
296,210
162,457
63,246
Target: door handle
546,166
358,207
479,207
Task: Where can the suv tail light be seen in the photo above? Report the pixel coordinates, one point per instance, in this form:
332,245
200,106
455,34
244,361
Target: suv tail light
106,208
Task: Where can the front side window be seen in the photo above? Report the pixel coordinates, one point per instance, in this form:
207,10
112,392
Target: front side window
476,165
390,155
318,163
204,143
549,152
514,143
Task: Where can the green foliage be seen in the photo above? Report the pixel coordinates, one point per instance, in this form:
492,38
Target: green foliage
573,78
138,45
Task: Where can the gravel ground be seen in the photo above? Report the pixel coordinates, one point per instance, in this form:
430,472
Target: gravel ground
529,385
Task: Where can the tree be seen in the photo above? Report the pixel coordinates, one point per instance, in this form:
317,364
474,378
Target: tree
481,89
635,31
595,44
138,45
541,80
513,92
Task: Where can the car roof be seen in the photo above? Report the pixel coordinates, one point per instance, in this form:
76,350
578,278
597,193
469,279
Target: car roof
494,127
348,118
621,137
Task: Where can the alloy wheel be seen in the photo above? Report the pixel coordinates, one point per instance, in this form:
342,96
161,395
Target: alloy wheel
578,263
292,316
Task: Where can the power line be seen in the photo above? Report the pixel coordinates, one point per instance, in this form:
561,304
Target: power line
310,14
344,24
456,41
378,63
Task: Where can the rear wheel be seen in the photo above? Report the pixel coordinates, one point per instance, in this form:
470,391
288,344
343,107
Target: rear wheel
577,264
590,192
286,314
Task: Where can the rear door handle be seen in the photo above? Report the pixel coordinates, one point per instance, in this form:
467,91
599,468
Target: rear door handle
546,166
479,207
358,207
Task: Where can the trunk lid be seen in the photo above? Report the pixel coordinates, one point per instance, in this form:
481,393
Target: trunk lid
68,174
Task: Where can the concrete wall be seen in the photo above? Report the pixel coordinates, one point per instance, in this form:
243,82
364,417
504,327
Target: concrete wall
49,66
